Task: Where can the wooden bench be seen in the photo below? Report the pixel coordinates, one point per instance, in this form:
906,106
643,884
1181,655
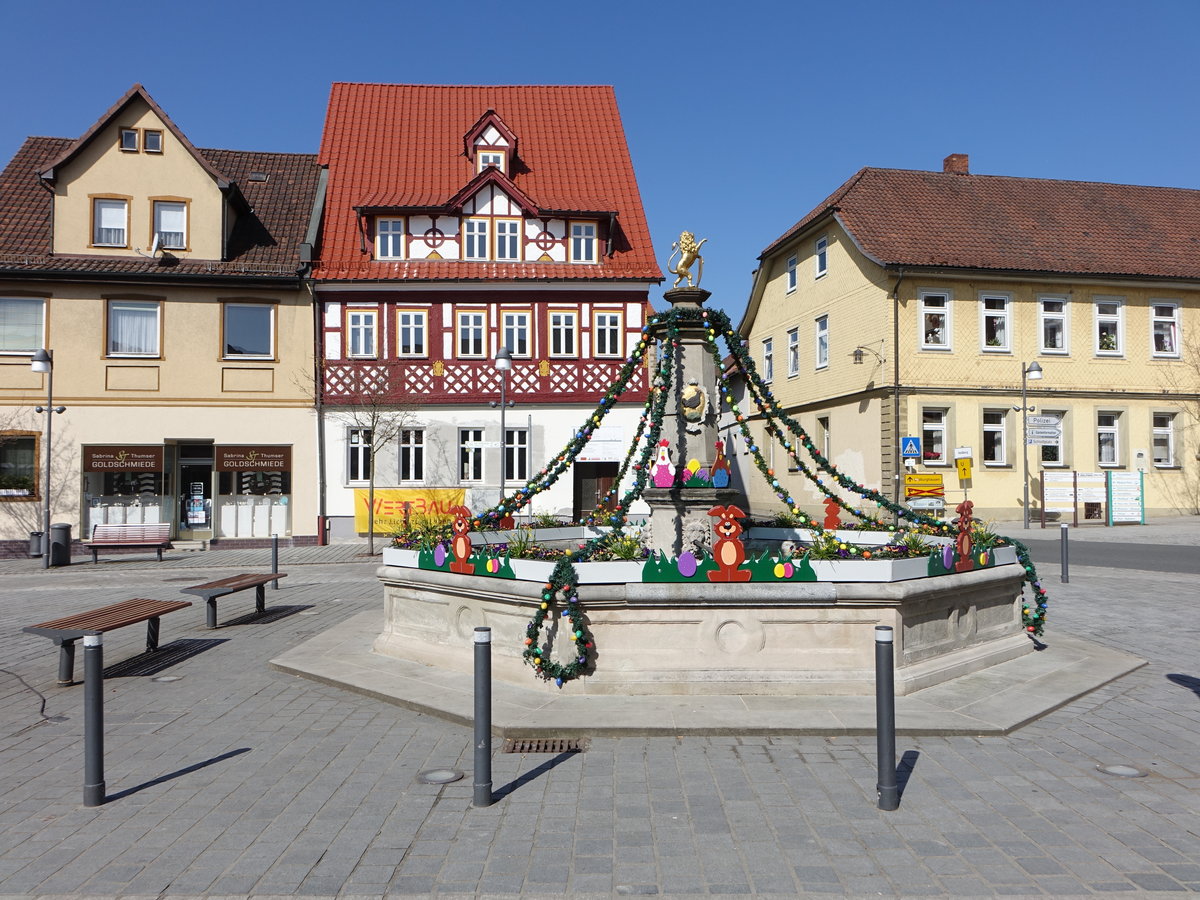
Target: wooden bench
231,585
68,629
157,536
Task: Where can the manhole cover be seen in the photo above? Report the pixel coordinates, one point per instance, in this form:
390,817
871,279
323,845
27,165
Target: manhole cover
439,776
1121,770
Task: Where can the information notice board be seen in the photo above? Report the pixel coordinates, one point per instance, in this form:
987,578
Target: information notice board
1126,498
1115,497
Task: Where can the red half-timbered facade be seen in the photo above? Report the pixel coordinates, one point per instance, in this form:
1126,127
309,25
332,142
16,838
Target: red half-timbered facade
459,220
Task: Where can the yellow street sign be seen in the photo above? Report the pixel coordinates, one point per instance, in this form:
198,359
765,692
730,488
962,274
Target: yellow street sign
964,468
924,485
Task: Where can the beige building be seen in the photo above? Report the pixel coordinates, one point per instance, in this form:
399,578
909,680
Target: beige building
168,285
902,313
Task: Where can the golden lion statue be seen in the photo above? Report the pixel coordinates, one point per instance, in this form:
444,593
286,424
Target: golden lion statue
689,254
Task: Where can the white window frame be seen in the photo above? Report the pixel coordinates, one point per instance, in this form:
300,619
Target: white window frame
470,334
1166,431
768,360
359,444
20,316
20,453
821,334
1002,314
153,352
515,332
146,140
516,454
942,426
131,146
583,242
476,233
927,298
390,235
1171,323
470,456
1000,429
490,159
508,240
114,203
793,352
608,331
412,328
176,206
1115,321
564,333
1061,446
362,333
1113,429
1046,316
792,263
269,310
411,456
821,257
823,435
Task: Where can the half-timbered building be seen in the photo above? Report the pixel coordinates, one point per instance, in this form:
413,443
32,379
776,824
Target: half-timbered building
459,221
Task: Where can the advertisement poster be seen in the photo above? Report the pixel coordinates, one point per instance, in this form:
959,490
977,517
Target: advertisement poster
423,503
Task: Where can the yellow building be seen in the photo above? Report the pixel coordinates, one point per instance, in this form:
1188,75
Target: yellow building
167,283
904,314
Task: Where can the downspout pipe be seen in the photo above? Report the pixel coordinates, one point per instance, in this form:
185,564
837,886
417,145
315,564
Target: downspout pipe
896,462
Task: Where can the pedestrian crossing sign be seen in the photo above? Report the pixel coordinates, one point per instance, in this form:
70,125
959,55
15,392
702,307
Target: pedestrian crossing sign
910,447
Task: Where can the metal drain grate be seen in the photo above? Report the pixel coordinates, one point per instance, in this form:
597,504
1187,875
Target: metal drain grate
545,745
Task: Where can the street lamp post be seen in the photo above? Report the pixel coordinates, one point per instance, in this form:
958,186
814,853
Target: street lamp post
1031,372
503,366
43,361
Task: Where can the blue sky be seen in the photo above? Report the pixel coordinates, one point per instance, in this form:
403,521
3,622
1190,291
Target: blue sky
740,116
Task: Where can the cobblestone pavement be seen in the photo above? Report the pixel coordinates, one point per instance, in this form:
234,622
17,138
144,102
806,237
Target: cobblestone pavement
235,780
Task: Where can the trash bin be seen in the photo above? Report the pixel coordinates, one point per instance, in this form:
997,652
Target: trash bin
60,544
35,544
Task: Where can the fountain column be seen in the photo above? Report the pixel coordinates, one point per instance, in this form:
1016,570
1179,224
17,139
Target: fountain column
679,515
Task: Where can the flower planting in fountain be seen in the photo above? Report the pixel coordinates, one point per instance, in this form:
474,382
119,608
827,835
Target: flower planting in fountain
941,546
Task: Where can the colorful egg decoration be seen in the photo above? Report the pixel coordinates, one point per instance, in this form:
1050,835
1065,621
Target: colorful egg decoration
686,564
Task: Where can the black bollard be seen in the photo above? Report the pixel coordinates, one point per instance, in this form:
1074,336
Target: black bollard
1066,575
483,716
885,718
93,720
275,560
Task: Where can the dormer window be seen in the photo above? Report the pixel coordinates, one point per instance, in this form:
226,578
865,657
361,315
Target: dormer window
491,159
475,239
389,239
583,242
129,140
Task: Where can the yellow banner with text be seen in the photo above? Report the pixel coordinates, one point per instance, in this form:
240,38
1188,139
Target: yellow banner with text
422,505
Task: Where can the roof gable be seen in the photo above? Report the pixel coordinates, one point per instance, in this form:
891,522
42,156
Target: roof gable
489,131
409,147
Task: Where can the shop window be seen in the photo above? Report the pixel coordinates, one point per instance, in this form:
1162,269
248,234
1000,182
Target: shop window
18,465
22,324
133,327
249,330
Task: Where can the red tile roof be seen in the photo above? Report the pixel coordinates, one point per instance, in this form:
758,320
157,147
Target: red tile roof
401,145
910,218
263,243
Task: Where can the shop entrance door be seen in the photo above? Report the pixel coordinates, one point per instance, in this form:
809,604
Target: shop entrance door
593,480
195,493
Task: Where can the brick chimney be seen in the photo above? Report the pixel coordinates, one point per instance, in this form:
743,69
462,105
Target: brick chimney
955,164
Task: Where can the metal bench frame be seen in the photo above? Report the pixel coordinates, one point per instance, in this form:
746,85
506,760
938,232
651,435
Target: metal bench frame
231,585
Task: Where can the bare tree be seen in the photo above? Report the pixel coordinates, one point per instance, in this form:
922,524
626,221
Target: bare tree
1182,384
378,415
24,495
